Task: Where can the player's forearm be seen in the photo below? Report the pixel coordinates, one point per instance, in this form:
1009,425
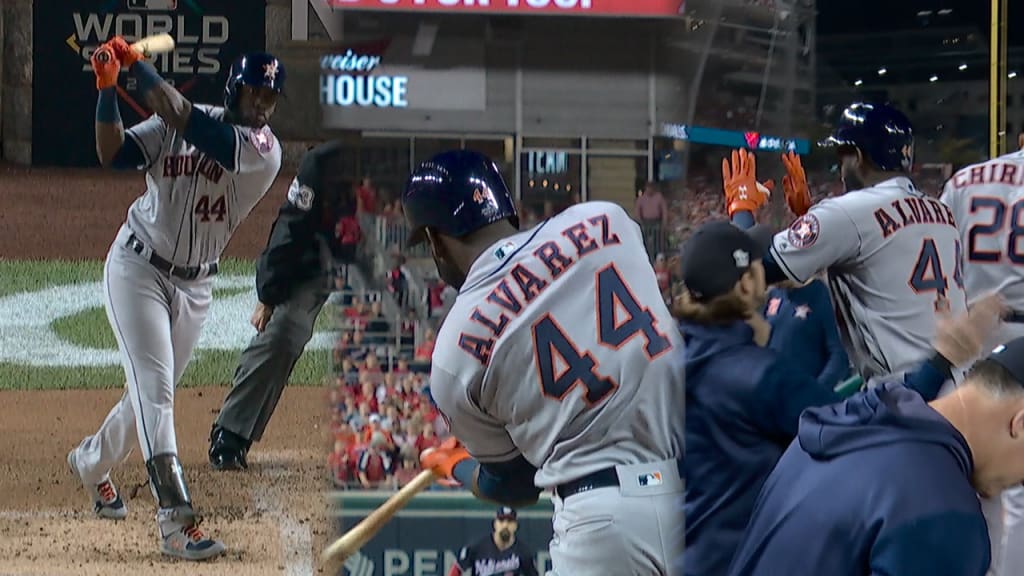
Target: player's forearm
492,483
109,128
165,101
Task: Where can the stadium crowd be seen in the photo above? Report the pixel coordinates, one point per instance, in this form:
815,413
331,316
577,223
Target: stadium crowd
382,417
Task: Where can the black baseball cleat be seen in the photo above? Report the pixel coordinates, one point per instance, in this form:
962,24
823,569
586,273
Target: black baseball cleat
228,450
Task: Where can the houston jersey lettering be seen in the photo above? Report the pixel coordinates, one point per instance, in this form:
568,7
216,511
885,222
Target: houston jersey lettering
192,205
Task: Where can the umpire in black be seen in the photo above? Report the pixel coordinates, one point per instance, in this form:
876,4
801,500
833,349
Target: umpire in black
292,282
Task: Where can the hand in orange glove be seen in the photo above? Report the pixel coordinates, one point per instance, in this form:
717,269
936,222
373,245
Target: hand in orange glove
106,66
794,184
443,459
124,52
742,191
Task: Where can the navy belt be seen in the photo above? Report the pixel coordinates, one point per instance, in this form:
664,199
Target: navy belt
600,479
166,266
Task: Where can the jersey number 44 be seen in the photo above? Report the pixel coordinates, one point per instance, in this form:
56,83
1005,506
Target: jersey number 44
562,366
929,277
207,210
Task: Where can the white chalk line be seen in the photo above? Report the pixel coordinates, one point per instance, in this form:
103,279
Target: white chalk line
296,538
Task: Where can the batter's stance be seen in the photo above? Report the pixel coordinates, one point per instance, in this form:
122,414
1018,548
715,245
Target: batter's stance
555,367
206,168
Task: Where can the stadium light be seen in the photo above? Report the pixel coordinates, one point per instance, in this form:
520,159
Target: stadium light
962,67
858,82
933,78
1012,75
882,71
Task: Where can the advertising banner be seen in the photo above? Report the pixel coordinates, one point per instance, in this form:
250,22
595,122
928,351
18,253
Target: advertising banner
620,8
208,35
371,75
735,138
425,538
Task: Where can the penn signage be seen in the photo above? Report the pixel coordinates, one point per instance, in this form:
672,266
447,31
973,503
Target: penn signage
347,80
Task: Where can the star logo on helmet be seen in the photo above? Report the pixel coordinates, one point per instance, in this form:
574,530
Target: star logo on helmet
270,71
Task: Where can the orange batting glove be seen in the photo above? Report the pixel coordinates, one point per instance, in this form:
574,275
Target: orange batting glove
124,52
742,191
443,459
106,66
794,184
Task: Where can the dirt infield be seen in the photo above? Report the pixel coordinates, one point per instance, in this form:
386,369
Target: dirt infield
271,517
51,213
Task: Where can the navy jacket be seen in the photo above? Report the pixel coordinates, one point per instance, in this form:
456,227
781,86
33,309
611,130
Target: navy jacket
743,405
876,485
804,329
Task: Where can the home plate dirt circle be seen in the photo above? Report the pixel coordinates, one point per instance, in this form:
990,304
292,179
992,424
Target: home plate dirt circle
273,518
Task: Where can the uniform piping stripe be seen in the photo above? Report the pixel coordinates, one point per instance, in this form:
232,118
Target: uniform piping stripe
509,257
785,268
127,355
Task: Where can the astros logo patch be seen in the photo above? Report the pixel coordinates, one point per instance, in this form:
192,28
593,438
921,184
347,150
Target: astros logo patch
803,233
261,140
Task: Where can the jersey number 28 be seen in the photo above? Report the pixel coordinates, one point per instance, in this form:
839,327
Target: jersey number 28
562,366
928,275
998,224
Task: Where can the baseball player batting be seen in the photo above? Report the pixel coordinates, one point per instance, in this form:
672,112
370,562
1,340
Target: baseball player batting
893,254
206,168
558,367
987,201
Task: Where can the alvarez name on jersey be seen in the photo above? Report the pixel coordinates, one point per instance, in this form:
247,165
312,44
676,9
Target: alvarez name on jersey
893,258
558,348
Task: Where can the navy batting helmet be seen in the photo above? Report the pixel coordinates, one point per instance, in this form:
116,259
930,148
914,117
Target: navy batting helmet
456,193
257,69
882,133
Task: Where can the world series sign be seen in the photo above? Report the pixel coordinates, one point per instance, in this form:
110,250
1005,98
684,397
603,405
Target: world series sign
208,36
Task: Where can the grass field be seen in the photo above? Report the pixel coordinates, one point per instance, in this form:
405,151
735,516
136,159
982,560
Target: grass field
27,286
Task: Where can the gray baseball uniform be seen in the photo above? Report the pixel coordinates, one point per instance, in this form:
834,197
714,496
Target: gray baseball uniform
893,258
560,348
186,217
987,200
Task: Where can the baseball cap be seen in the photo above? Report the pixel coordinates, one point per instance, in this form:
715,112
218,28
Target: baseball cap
1011,357
506,513
718,254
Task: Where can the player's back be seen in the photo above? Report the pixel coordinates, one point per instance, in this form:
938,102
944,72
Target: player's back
562,335
988,202
893,257
192,204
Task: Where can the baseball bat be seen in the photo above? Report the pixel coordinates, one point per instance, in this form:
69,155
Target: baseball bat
357,537
155,44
